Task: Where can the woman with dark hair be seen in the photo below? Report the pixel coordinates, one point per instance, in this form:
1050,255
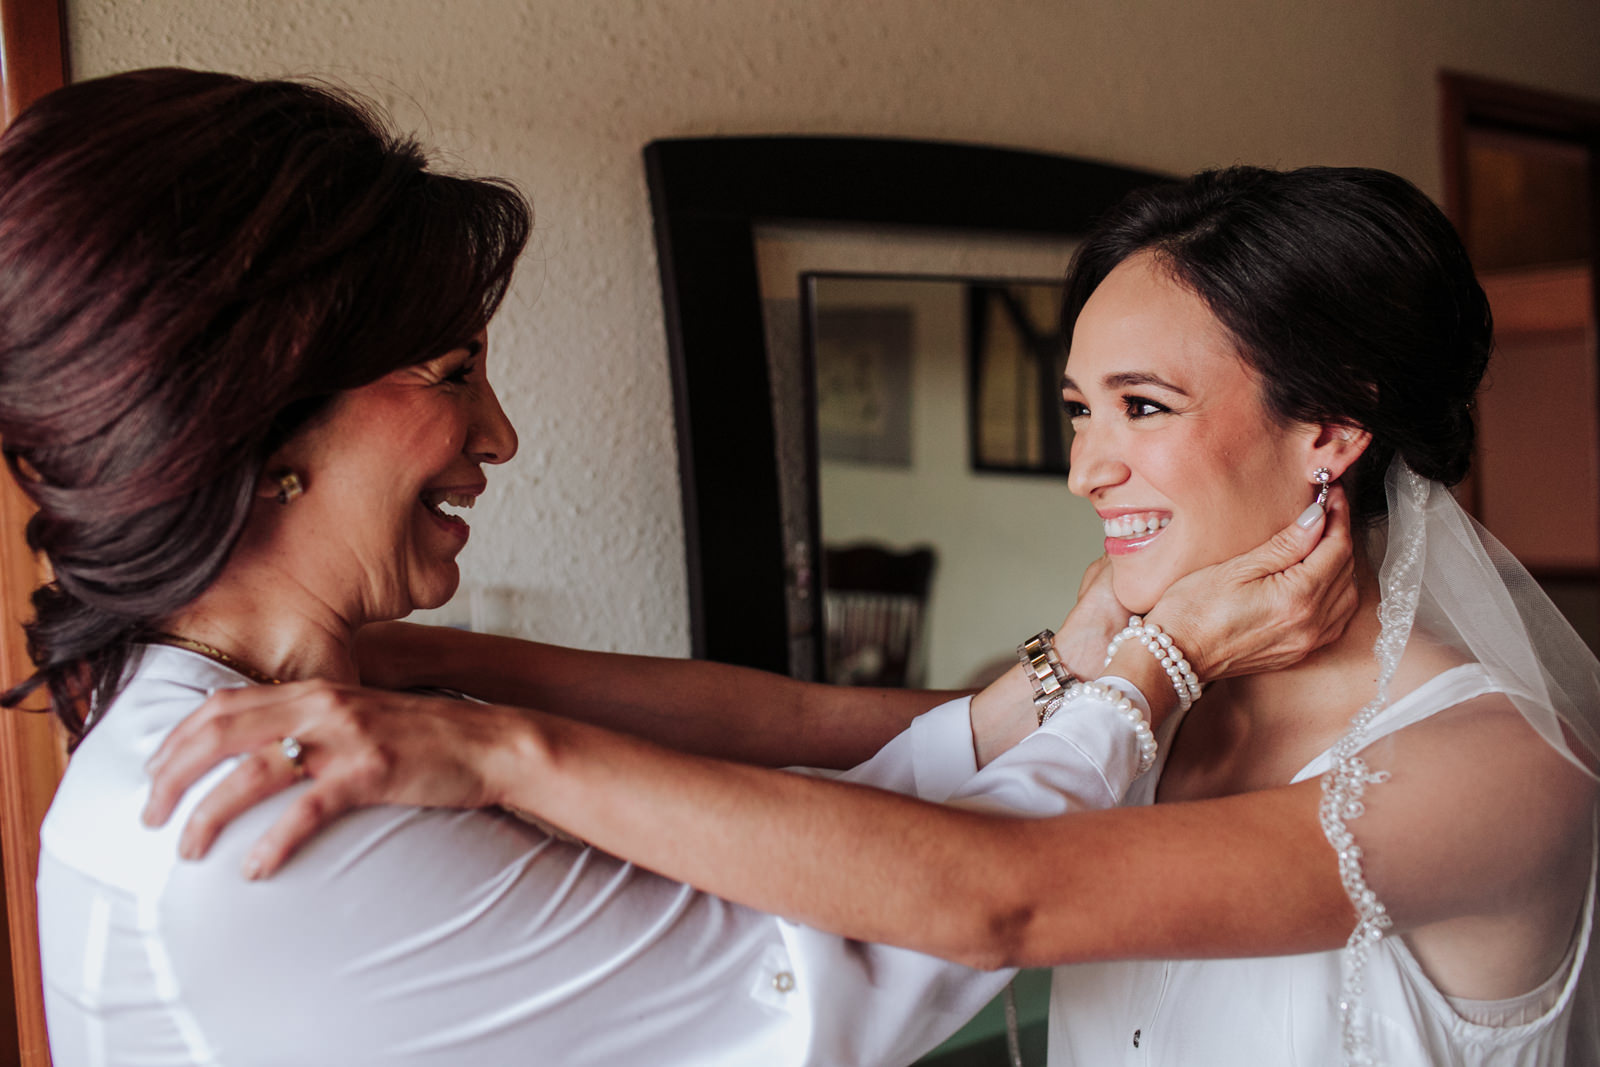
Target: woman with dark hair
243,366
204,244
1383,852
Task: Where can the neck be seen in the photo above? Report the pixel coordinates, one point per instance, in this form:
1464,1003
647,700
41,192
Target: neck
1284,697
272,623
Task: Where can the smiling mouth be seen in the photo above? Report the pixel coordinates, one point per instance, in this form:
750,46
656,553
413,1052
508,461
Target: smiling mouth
436,501
1136,526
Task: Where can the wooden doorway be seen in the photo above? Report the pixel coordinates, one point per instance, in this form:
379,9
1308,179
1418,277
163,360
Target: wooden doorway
32,63
1522,183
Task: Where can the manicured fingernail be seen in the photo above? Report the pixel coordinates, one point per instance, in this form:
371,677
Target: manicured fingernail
1310,516
252,867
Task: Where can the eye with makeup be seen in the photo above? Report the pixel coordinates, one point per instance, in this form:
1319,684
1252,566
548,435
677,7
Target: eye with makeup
1134,407
1138,407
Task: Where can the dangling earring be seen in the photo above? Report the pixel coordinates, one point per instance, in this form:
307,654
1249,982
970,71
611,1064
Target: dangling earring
1320,478
289,486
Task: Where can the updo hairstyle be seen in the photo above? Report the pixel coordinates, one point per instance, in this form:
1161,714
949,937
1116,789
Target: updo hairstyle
1348,293
191,265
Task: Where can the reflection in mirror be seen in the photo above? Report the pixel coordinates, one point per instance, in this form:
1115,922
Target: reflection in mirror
722,206
937,407
1015,356
791,261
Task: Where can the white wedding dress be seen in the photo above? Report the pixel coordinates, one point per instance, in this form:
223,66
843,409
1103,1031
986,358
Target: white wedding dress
1283,1010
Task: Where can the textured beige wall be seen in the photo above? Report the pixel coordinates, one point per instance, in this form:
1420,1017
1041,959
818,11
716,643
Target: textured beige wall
561,95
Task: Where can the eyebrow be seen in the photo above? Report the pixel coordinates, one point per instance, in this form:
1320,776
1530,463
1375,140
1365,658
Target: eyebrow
1126,379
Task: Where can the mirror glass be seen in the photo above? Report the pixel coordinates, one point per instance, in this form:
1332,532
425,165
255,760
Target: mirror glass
738,221
916,381
938,428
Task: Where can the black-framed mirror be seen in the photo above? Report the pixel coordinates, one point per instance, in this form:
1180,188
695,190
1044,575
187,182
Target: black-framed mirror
709,196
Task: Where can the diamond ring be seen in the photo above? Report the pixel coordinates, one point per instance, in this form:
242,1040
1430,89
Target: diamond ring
295,753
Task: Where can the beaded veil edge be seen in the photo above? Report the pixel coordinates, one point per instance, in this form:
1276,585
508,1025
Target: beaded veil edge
1345,784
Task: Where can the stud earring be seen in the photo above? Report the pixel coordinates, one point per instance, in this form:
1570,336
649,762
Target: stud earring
1320,478
289,486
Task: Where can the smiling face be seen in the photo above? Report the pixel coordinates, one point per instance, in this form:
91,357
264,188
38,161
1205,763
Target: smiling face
384,468
1172,444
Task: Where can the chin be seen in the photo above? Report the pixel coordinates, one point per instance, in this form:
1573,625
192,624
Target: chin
1137,593
437,593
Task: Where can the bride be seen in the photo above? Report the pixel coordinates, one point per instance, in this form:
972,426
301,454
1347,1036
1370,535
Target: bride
1382,853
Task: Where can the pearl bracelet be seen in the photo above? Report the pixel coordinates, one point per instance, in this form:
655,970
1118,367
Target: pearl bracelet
1183,678
1123,705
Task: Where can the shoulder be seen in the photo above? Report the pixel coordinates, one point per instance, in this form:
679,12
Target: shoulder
406,922
1425,659
1478,813
93,824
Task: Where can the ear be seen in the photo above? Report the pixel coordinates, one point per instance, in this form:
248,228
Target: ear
282,484
266,486
1336,446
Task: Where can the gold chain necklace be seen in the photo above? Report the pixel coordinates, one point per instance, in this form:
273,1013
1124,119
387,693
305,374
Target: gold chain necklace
212,653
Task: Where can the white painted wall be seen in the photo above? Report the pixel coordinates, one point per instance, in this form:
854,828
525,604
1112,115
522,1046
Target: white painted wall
561,95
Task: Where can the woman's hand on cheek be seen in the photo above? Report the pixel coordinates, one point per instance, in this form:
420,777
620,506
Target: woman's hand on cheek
1094,620
358,747
1270,607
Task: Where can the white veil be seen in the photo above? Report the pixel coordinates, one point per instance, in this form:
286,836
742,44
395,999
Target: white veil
1444,575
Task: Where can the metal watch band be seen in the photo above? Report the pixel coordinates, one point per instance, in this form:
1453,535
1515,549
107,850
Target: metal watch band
1045,670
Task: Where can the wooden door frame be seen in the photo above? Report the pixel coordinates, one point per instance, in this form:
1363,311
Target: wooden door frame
1467,98
33,61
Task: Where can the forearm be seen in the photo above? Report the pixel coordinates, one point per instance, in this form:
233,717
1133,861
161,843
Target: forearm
828,854
982,889
710,709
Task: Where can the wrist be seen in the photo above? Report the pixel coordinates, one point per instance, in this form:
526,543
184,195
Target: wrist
1184,629
1048,676
1082,639
1173,651
1161,649
522,758
404,655
1002,714
1142,671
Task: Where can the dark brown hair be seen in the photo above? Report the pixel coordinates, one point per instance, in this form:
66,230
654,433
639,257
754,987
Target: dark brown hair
1348,293
191,265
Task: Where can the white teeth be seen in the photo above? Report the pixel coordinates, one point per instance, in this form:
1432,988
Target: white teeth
1135,525
443,502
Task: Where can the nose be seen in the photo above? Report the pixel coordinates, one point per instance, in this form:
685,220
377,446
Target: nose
1095,464
493,438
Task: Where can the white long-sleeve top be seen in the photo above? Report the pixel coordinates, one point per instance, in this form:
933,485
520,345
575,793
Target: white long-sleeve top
409,936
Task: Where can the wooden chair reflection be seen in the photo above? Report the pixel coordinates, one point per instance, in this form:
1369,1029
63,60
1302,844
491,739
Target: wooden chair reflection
874,603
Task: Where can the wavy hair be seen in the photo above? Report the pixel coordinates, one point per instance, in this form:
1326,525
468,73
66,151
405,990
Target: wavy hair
191,265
